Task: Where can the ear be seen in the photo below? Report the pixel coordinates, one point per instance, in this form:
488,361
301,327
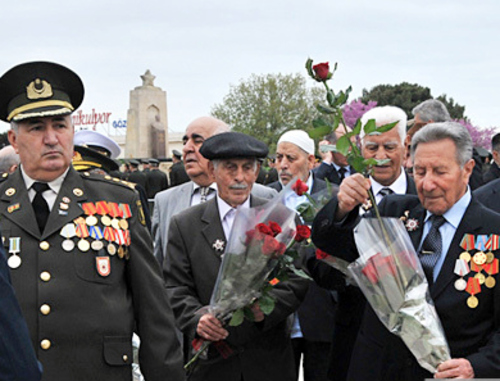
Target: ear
12,136
310,161
468,167
211,169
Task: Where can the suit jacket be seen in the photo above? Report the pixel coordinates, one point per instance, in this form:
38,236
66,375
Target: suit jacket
174,200
262,351
492,174
82,307
472,334
488,195
17,357
156,182
178,174
328,172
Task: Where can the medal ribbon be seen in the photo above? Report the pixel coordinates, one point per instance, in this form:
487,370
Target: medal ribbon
481,241
491,268
475,267
115,210
461,267
82,231
119,237
467,242
102,208
127,212
14,245
492,243
109,234
68,231
89,208
473,286
96,232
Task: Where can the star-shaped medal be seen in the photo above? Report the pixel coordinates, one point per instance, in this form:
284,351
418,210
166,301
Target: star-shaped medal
411,225
218,245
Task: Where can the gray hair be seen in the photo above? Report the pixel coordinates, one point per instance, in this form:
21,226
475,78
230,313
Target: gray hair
14,126
385,115
447,130
431,110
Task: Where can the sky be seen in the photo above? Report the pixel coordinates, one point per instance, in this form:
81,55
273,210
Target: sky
199,49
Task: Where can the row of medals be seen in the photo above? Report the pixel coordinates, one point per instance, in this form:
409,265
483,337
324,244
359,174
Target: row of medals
97,245
479,258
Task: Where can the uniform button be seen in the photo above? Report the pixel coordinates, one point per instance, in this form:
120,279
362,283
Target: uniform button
45,344
45,276
45,309
44,245
125,358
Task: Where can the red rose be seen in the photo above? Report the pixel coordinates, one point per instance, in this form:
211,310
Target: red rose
320,254
253,235
300,187
303,232
264,229
322,71
275,227
281,249
270,245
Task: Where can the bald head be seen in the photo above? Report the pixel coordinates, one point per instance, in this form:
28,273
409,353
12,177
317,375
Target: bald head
9,159
197,132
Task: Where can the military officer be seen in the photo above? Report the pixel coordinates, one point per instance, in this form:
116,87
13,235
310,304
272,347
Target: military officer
80,255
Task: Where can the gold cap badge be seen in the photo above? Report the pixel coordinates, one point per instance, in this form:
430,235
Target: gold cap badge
39,89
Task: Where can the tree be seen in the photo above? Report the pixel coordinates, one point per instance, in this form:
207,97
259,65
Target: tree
265,106
406,96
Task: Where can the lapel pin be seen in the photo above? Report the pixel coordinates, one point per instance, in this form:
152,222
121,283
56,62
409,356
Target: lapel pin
10,192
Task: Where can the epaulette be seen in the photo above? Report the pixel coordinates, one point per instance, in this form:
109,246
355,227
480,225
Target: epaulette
108,179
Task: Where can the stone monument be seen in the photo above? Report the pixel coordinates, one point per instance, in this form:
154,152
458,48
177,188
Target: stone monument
147,128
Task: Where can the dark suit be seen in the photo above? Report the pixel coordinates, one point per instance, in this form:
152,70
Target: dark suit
471,333
262,351
156,182
492,174
81,321
17,358
489,195
351,306
328,172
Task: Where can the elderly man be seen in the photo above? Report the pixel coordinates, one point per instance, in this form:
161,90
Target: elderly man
444,213
80,254
386,179
9,159
312,331
261,350
201,187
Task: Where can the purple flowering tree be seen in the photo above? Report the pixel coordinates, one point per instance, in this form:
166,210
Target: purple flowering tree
355,110
481,137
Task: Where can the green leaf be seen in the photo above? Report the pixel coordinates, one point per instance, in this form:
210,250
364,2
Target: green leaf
325,109
309,63
357,127
328,148
357,162
330,97
340,100
343,145
300,272
347,92
318,133
370,127
386,127
374,161
266,304
320,122
237,318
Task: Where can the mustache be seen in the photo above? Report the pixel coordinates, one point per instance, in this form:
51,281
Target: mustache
285,173
238,186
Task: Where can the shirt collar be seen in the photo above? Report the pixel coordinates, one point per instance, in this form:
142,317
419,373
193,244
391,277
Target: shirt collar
398,186
224,207
54,185
455,214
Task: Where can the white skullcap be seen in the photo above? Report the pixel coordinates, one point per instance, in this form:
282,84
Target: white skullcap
300,138
89,138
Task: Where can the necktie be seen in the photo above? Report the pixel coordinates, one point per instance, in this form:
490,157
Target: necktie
432,247
342,171
385,191
40,206
204,191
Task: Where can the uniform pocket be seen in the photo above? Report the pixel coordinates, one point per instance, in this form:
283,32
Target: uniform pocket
118,350
98,267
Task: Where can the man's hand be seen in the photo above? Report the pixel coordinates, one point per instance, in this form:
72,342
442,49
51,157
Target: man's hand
325,156
352,191
210,328
455,368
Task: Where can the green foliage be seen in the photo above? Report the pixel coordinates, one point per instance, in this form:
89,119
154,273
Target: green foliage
406,96
266,106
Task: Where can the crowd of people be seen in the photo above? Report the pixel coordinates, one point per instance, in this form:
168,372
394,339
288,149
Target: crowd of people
83,266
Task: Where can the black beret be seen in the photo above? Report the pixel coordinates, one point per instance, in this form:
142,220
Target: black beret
39,89
233,145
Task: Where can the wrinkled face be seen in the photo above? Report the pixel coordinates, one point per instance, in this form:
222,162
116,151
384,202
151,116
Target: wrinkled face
440,180
45,146
194,162
235,178
292,161
385,146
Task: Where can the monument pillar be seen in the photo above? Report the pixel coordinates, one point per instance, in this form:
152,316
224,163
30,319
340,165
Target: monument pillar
147,123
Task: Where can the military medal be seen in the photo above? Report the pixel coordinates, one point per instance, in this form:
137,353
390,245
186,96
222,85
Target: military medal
127,213
14,260
96,233
115,212
103,265
82,232
120,240
68,231
461,269
102,209
90,209
491,245
467,244
109,235
491,269
473,288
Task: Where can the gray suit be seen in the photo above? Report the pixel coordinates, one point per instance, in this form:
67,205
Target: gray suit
174,200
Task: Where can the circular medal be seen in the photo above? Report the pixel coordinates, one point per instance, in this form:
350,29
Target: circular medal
111,249
14,261
121,252
490,257
68,245
124,224
91,220
465,256
97,245
106,221
480,277
460,284
490,282
479,258
115,223
83,245
472,301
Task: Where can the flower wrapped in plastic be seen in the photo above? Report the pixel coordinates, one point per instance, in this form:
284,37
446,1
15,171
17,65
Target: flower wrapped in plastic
390,275
255,259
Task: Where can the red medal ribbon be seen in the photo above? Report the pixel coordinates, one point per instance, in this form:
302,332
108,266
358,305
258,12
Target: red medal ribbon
119,237
491,268
126,233
127,212
102,208
473,286
109,234
89,208
492,243
82,231
475,267
467,242
115,210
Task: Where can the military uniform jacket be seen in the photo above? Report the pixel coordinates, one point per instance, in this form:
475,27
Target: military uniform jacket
81,312
473,334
